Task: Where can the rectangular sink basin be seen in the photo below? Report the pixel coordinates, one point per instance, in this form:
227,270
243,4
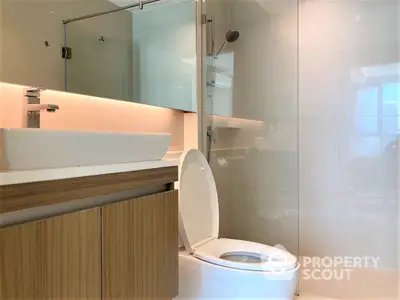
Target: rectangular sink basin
30,149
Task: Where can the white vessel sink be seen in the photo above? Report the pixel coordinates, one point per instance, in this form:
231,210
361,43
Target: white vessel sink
30,149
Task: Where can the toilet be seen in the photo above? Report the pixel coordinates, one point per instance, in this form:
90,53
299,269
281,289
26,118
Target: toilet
219,268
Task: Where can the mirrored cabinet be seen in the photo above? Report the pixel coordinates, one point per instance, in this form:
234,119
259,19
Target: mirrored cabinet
111,49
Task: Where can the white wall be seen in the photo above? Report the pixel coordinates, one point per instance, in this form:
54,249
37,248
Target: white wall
264,89
26,25
256,168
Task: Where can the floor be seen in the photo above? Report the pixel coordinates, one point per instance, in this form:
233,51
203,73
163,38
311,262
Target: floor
316,297
363,284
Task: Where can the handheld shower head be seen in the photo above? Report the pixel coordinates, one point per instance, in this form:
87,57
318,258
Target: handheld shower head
231,36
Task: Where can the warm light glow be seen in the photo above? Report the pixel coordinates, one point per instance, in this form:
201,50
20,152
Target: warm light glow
85,113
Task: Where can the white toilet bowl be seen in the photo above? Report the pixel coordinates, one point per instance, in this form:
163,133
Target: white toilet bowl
213,268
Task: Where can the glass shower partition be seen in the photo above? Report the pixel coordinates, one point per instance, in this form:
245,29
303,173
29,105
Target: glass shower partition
251,125
100,56
320,150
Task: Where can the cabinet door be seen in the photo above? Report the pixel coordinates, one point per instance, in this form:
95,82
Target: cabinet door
140,248
56,258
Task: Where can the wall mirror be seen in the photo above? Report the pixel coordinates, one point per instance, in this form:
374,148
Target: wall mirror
140,54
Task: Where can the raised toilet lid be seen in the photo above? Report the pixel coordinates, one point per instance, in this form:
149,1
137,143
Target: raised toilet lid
198,201
199,224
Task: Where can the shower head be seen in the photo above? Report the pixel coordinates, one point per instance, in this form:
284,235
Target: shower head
231,36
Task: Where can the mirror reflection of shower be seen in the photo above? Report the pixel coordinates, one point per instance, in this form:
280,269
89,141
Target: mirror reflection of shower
225,79
231,36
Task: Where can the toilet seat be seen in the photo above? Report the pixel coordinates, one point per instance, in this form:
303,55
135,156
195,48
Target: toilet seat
271,259
199,224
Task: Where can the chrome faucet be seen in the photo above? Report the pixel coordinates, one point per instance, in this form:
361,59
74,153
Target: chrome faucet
34,107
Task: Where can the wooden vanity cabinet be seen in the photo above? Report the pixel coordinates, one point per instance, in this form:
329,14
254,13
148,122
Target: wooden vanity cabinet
140,248
124,250
55,258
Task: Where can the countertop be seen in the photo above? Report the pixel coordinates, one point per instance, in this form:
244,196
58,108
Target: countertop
18,177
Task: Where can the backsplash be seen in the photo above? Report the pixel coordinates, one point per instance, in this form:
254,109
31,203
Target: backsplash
85,113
